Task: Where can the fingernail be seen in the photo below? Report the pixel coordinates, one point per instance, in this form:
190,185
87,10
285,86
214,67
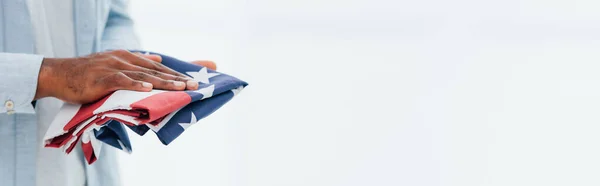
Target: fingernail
147,85
178,83
192,85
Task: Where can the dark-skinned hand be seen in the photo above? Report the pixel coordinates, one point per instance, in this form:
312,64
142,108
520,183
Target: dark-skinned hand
86,79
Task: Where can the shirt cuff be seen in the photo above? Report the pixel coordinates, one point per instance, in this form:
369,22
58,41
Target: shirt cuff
18,81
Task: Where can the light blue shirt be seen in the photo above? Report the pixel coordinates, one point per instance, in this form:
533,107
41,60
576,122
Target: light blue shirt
98,25
54,35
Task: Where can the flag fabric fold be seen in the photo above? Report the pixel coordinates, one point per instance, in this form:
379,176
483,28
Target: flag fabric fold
166,113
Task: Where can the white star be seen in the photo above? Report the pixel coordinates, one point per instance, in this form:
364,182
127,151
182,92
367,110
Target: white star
206,91
202,76
192,121
236,91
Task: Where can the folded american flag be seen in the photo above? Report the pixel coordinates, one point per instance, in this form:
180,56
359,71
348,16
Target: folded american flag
166,113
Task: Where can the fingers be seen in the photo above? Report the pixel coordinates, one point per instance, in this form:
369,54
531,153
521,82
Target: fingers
141,73
147,68
143,62
120,81
139,81
155,58
208,64
157,82
146,63
130,67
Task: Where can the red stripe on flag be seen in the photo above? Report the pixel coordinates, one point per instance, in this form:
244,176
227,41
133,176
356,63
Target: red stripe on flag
88,152
96,121
161,104
133,113
85,112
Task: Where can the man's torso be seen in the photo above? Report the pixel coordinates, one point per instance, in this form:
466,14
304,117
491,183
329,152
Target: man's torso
75,31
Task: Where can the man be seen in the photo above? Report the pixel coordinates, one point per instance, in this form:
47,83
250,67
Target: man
39,42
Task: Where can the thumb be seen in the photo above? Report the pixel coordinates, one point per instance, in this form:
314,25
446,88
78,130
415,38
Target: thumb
205,63
153,57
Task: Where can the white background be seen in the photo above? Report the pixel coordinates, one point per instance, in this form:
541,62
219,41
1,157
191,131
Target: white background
398,92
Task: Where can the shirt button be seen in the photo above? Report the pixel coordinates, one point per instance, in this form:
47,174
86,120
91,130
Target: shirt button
10,106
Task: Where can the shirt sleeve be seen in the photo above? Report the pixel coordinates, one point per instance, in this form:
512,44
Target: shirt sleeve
18,81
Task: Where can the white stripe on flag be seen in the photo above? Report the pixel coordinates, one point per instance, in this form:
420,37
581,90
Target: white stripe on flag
122,99
96,145
126,118
74,134
66,113
83,124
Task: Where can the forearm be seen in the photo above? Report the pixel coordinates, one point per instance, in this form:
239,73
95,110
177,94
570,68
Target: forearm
48,78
